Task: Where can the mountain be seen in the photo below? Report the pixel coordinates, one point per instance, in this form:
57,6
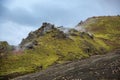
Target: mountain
106,28
64,41
52,45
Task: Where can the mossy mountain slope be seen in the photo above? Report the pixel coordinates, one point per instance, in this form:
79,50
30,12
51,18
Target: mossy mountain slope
106,28
66,46
50,45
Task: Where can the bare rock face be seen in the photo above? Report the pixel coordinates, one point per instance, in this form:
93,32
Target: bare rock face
47,27
44,28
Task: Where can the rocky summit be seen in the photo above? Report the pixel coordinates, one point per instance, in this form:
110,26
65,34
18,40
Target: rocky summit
89,51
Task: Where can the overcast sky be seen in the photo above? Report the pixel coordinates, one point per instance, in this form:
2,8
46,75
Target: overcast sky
19,17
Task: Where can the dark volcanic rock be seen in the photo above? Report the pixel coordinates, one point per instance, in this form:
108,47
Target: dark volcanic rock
99,67
30,45
28,42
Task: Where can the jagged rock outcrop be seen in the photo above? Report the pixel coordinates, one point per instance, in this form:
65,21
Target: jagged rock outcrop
30,41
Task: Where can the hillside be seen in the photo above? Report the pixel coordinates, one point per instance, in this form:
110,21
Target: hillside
50,45
106,28
98,67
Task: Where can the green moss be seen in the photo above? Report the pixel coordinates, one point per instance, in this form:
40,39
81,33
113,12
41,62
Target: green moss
105,27
24,63
55,47
49,51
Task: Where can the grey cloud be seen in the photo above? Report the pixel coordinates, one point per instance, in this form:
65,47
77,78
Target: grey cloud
22,16
60,12
27,13
19,16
